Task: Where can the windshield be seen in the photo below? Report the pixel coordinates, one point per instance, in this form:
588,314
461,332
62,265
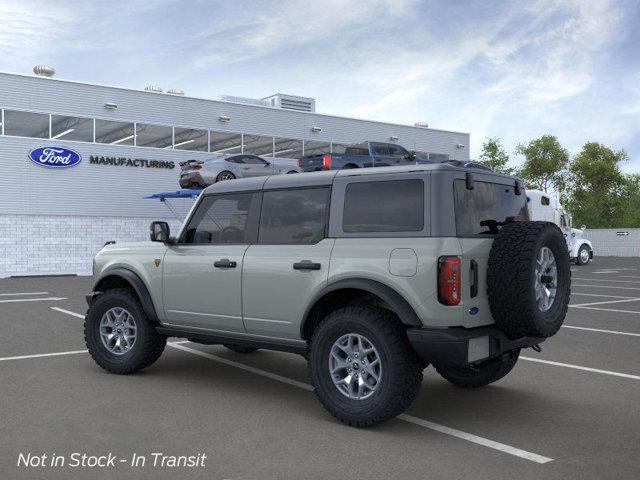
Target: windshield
487,207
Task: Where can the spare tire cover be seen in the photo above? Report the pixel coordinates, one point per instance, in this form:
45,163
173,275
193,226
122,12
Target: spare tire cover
529,279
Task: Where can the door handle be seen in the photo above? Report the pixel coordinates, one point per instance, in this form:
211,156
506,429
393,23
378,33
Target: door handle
474,279
246,168
306,265
224,263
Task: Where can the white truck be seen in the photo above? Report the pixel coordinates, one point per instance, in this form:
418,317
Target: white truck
545,207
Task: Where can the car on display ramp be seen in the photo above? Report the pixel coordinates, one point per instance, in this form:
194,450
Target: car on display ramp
202,173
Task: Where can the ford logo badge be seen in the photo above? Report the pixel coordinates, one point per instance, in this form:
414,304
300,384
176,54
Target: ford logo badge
55,157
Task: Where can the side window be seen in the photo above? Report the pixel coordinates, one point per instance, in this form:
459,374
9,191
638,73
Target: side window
397,151
386,206
238,159
294,216
544,200
253,160
221,219
381,150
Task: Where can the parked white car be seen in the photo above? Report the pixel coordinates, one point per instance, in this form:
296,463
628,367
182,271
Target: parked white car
545,207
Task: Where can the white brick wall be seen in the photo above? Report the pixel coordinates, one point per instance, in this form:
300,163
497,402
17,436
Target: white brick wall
53,245
608,243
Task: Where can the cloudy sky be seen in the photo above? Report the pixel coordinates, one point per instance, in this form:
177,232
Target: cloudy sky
515,70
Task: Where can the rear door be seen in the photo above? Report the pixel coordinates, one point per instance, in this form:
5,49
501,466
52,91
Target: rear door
382,155
290,262
479,213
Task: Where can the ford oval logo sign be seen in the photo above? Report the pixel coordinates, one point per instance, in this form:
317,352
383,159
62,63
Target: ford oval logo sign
56,157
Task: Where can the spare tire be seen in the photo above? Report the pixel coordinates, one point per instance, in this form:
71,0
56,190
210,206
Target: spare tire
529,279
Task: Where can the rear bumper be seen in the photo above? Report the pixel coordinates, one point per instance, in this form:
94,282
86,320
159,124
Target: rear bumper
464,346
192,179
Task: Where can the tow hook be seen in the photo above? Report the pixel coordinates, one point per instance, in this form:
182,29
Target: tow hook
536,348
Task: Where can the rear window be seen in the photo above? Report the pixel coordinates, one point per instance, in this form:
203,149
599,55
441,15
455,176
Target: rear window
484,209
387,206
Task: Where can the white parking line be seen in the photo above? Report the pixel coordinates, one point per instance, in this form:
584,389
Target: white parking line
62,310
598,295
40,355
608,309
45,299
602,331
407,418
605,280
578,367
632,299
606,286
627,276
23,293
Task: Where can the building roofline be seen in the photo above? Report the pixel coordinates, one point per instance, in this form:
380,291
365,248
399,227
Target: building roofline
233,103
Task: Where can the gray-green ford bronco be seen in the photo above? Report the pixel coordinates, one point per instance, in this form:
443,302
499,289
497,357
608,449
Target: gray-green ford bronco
371,274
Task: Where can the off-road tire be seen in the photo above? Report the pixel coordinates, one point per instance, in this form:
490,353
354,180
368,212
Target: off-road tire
401,374
240,348
480,375
511,279
578,257
148,346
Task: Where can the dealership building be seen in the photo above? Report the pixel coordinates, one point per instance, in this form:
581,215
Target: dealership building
117,146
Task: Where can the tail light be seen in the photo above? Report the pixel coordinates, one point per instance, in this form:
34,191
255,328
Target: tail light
326,161
196,167
298,162
449,280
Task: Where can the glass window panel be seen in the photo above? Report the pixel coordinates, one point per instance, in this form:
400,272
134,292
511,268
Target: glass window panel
115,133
295,216
288,148
312,147
26,124
220,219
72,128
190,139
224,142
338,147
258,145
157,136
387,206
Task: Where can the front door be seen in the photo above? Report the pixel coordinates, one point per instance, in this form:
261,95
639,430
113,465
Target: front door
254,166
290,262
202,272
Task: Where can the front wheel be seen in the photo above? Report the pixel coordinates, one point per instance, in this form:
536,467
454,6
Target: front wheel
362,366
480,375
583,255
118,334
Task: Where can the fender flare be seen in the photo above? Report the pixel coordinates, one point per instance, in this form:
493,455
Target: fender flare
138,285
398,304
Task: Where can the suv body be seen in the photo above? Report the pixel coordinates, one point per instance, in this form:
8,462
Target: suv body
273,262
362,155
202,173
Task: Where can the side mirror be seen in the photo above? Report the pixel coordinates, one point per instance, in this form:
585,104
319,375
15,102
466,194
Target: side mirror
583,227
159,232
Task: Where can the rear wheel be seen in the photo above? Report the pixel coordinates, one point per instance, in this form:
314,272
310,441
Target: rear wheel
480,375
119,335
240,348
362,366
225,175
583,255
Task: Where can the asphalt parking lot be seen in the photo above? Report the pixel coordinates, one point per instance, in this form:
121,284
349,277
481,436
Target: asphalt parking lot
571,411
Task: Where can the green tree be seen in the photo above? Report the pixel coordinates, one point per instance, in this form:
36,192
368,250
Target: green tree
545,164
631,215
599,191
494,156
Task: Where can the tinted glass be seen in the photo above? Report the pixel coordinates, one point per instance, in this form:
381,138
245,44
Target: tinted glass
294,216
220,219
544,200
115,133
158,136
484,209
390,206
251,160
191,139
397,151
26,124
72,128
381,149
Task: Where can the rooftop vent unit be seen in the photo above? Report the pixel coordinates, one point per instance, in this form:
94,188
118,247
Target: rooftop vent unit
291,102
244,100
153,88
44,71
422,124
175,91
